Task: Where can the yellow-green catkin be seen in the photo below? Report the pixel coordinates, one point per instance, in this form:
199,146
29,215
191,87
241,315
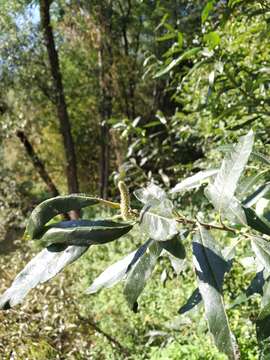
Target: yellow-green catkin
124,201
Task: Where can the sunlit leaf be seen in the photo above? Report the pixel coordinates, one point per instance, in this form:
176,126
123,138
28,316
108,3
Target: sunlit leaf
44,266
221,192
194,181
210,269
112,275
261,248
263,324
212,39
151,192
141,272
157,220
186,55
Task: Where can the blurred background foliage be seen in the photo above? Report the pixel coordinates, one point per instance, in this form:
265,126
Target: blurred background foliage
165,83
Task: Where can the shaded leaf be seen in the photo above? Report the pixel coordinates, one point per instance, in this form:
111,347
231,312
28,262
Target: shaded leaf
44,266
210,269
84,232
257,222
192,301
174,247
48,209
138,253
255,287
256,284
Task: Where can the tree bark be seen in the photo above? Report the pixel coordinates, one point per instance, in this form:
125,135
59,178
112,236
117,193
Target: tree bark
63,116
38,163
105,83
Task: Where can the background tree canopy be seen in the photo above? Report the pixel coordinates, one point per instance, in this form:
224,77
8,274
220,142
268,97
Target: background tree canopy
93,92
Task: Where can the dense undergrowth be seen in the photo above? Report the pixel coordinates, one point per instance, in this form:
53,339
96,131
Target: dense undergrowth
57,321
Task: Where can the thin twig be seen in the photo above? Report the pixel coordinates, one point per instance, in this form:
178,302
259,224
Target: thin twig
111,339
183,220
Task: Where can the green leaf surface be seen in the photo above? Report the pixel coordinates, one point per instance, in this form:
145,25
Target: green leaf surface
84,232
212,39
206,10
141,272
186,55
48,209
44,266
210,269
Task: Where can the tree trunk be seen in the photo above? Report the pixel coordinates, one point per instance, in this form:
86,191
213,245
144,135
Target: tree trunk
65,128
105,83
38,163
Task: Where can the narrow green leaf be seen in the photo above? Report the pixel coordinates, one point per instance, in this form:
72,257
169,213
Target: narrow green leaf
44,266
206,10
48,209
180,39
210,268
186,55
168,36
84,232
141,272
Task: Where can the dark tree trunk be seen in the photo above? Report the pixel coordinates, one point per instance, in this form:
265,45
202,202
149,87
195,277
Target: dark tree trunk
105,83
65,128
37,162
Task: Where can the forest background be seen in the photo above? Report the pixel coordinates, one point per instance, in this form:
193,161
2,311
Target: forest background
94,91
